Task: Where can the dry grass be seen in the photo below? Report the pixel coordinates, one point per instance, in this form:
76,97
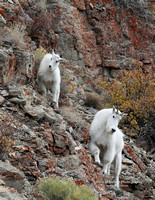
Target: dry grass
93,100
13,35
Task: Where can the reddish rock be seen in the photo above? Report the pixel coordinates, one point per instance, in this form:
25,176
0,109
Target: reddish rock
129,152
1,100
79,4
7,67
63,143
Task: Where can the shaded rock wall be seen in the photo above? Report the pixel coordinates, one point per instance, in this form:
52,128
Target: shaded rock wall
111,34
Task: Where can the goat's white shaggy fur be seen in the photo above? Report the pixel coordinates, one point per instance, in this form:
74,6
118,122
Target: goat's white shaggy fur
49,75
106,141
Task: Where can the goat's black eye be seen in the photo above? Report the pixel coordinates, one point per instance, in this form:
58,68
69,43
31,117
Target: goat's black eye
113,116
56,61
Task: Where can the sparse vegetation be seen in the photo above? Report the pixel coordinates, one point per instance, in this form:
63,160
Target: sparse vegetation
6,124
57,189
134,93
72,114
93,100
13,35
39,54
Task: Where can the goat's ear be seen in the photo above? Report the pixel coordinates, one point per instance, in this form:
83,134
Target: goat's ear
123,114
113,109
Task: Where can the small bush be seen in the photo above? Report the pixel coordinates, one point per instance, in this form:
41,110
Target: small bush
39,54
16,35
93,100
134,93
57,189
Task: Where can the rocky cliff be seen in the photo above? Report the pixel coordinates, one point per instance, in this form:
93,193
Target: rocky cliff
96,37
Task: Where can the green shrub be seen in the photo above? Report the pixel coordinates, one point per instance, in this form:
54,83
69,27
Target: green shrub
57,189
134,93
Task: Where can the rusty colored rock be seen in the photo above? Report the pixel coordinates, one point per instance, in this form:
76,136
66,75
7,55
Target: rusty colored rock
129,152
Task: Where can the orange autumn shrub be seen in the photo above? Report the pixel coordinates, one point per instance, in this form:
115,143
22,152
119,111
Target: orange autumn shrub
134,93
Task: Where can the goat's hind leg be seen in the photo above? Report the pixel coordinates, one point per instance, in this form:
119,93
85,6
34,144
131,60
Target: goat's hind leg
95,151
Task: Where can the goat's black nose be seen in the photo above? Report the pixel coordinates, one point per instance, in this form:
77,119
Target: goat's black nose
50,66
113,130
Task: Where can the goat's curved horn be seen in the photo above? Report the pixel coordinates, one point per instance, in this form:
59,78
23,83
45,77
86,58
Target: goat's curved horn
124,112
113,109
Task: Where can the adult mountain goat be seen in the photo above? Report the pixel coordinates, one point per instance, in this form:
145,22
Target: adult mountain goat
106,141
49,75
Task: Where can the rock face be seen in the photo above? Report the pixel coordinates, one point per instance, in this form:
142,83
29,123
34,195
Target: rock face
58,145
37,140
110,34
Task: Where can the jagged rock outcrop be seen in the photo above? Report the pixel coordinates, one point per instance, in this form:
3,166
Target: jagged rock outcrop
93,36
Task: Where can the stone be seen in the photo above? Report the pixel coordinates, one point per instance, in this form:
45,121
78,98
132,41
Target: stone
63,143
129,152
17,100
4,93
2,99
36,112
69,162
2,21
7,66
11,194
11,176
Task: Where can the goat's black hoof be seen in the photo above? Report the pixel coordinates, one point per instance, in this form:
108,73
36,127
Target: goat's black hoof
53,104
97,163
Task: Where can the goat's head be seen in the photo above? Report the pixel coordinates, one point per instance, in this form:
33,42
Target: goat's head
113,120
55,60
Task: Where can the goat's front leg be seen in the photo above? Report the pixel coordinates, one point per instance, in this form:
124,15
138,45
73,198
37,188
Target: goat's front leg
107,160
95,151
55,91
118,166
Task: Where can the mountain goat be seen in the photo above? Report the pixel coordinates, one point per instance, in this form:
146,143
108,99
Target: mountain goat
106,140
49,75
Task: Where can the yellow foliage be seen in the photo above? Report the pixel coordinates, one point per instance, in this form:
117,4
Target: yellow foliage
55,188
39,54
134,93
5,133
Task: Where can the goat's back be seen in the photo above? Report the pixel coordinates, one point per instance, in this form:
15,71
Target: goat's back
99,122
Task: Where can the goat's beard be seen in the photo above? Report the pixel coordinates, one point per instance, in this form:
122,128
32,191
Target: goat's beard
109,132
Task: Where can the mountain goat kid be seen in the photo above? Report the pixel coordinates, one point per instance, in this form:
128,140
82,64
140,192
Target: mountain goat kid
49,75
106,141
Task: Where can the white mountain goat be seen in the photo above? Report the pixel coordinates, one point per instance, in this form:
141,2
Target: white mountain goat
106,141
49,75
